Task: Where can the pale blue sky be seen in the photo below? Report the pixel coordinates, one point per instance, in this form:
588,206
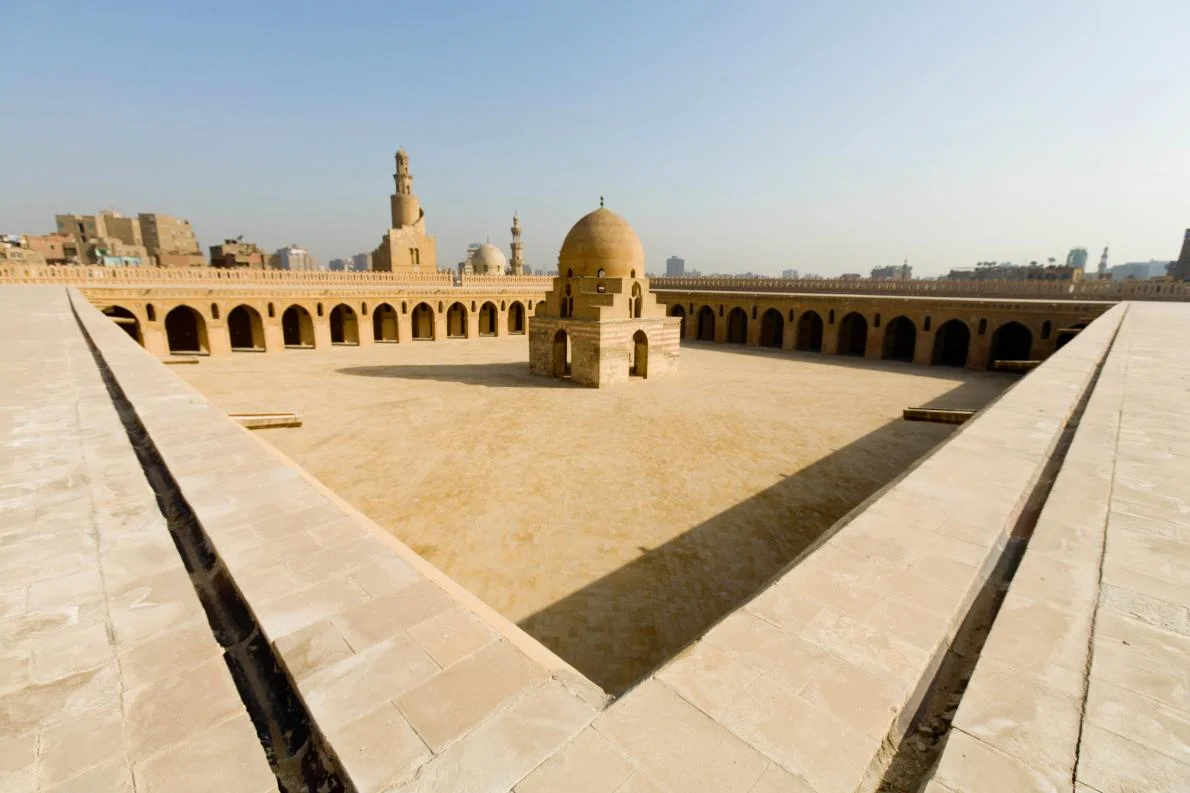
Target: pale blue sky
827,137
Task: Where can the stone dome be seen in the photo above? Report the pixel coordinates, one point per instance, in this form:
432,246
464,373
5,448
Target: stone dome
488,259
602,240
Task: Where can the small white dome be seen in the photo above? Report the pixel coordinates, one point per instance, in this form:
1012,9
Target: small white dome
488,259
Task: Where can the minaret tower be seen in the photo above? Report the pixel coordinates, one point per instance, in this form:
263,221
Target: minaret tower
405,206
1102,275
518,260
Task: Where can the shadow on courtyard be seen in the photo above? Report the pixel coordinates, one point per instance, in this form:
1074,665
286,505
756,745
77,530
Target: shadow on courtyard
495,375
621,627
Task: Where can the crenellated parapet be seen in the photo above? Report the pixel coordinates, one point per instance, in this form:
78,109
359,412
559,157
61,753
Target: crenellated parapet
1052,290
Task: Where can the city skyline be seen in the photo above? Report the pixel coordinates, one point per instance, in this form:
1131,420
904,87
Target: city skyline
828,141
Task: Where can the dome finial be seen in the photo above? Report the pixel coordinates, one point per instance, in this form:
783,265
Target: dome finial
600,201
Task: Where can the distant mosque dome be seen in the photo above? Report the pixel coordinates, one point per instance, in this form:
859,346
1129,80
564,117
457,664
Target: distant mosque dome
602,240
488,259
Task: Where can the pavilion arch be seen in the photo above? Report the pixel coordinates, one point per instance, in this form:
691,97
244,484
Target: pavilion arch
297,327
900,339
245,329
1012,341
706,324
639,365
853,334
422,321
952,343
809,332
344,325
676,310
561,366
126,320
186,331
489,319
737,326
456,321
384,323
772,328
516,317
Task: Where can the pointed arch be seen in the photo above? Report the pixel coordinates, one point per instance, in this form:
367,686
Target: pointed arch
245,329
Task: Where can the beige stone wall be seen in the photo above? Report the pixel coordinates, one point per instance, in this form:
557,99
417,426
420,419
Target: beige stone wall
406,250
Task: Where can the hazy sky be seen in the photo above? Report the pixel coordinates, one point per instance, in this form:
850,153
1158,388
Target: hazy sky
827,137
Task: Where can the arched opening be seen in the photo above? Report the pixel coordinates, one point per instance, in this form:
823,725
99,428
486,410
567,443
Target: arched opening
639,365
214,311
737,326
561,354
151,312
951,343
126,320
1012,341
344,325
900,339
488,319
384,323
422,320
456,321
772,328
297,328
676,310
245,329
516,318
272,311
186,331
853,334
706,324
1046,329
809,332
636,305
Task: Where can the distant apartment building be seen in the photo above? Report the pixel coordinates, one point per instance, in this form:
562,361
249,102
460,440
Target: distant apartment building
107,239
361,262
52,248
237,253
850,277
791,275
170,241
1006,271
1077,258
895,272
113,240
338,265
675,267
1139,271
291,257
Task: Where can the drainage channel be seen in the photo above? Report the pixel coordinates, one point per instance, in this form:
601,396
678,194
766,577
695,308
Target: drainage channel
297,753
906,767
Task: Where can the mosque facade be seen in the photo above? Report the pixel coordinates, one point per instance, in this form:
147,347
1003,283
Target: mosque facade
600,324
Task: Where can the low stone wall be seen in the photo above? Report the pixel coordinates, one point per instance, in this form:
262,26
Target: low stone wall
110,677
403,673
1081,684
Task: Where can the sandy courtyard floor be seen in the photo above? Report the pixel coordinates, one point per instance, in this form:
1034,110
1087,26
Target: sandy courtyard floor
614,525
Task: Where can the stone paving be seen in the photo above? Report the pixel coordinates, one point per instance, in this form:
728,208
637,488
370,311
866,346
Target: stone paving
615,526
1083,684
110,678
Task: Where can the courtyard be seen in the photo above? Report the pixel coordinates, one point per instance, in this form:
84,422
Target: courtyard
613,525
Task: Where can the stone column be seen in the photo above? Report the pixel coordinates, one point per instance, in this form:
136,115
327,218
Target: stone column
923,350
154,338
874,346
789,332
830,337
322,329
404,326
218,342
